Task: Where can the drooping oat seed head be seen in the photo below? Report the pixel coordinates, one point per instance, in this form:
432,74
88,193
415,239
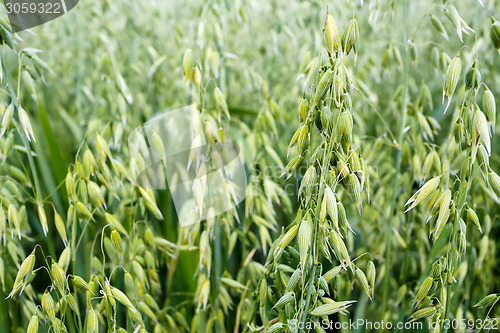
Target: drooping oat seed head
6,119
303,109
436,22
61,227
481,125
305,236
92,322
330,308
26,124
494,181
33,324
111,219
80,283
48,306
23,273
323,86
350,38
221,103
495,34
121,297
363,281
451,79
332,273
187,64
43,218
490,107
424,192
423,313
472,78
95,194
59,278
487,301
285,299
332,35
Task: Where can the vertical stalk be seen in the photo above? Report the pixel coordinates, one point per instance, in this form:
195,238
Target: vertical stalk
397,162
217,270
464,187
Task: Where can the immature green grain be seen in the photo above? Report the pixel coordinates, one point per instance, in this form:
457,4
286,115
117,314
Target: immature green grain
424,192
43,218
80,283
332,36
275,328
188,65
26,124
83,210
371,274
111,219
72,303
436,22
363,281
7,116
33,324
303,110
92,322
331,308
423,291
487,301
489,106
148,312
95,194
472,217
451,79
304,239
494,180
59,278
24,272
323,86
285,299
121,297
350,38
61,227
48,306
116,241
423,313
481,125
495,33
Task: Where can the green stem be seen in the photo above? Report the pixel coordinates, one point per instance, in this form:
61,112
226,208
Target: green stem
217,270
397,165
462,195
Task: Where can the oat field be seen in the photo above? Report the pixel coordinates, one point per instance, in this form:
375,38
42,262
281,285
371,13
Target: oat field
251,166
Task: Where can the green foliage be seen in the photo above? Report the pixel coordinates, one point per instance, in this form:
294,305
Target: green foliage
369,139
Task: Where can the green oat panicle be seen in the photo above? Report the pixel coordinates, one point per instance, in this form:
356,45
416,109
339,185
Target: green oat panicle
132,263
